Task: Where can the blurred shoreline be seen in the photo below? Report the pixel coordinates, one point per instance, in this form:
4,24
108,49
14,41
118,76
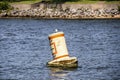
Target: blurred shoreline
63,11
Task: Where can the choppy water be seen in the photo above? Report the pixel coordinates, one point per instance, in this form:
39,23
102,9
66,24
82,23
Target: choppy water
24,49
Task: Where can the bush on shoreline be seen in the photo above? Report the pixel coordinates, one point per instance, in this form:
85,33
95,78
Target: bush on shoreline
4,6
119,8
13,0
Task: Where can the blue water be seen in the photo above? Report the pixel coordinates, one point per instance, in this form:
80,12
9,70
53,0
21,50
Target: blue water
25,50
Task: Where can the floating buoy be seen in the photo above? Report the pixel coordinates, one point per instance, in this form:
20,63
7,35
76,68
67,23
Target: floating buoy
60,53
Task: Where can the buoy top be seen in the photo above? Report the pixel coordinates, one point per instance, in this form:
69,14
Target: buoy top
56,30
57,34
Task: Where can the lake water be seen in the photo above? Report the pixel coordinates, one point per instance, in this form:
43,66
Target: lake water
25,50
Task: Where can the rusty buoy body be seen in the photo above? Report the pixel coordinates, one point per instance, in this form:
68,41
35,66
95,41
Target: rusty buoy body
60,53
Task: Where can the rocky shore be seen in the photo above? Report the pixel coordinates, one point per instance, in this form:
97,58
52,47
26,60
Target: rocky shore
64,13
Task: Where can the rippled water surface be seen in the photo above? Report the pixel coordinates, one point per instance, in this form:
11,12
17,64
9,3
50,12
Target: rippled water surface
24,49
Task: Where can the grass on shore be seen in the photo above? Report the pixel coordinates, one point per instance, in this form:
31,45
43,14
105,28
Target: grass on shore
27,2
77,2
93,2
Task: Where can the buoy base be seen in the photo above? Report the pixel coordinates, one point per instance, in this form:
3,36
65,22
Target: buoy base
69,62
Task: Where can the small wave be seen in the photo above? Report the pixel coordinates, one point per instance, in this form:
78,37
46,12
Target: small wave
10,34
3,39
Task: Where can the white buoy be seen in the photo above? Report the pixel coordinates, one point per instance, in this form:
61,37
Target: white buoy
60,51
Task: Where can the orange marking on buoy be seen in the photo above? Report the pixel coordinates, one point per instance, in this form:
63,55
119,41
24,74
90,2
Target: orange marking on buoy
54,47
55,36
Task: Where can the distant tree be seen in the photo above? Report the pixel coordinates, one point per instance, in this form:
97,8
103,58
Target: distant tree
4,6
10,0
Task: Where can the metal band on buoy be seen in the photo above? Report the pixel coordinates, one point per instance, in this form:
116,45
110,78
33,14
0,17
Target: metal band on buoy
61,57
55,36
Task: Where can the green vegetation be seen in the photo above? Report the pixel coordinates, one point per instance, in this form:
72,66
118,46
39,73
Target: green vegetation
4,6
119,8
79,1
27,1
54,0
21,1
92,2
59,1
17,0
